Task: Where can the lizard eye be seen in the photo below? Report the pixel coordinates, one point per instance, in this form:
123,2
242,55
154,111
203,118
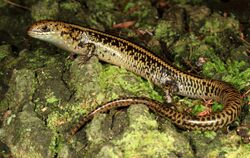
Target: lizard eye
45,29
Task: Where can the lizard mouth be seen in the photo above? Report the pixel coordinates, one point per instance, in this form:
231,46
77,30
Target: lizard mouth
33,32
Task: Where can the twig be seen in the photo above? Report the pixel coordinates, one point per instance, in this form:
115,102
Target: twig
16,5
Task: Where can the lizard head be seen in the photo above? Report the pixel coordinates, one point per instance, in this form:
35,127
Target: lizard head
44,29
55,32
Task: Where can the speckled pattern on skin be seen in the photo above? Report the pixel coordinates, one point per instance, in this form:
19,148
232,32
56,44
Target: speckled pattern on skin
120,52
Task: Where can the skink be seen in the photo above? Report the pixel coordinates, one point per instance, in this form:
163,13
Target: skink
121,52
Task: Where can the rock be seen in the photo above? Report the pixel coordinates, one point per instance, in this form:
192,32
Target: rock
140,139
27,136
22,86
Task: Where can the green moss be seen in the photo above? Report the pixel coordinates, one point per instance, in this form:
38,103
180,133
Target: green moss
197,109
54,119
217,31
29,60
128,6
10,119
165,32
190,48
109,152
102,13
5,51
140,119
54,122
100,5
217,107
194,2
142,11
210,134
242,151
72,6
57,118
47,9
54,147
152,142
233,72
51,99
186,101
196,106
2,3
68,113
212,48
217,23
230,149
143,139
113,76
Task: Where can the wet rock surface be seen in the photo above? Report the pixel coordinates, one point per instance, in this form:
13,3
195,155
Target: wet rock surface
43,94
